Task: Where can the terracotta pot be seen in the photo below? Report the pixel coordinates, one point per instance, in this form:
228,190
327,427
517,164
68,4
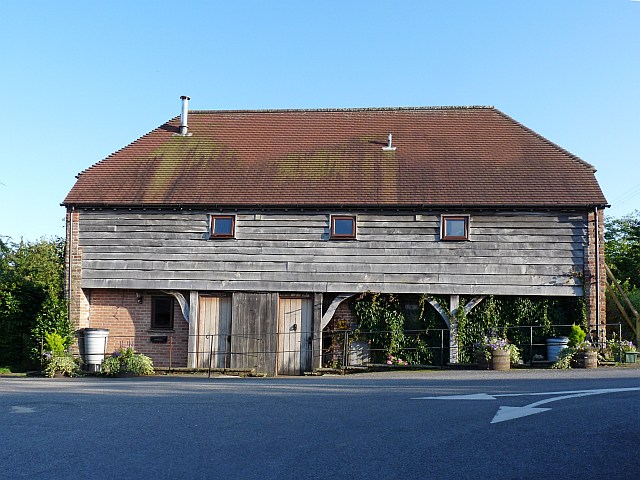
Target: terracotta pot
500,360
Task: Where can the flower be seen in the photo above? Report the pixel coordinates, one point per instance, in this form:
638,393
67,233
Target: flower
619,347
627,347
391,360
584,347
492,342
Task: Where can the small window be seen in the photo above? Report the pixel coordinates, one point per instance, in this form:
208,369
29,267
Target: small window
455,228
162,312
223,226
343,227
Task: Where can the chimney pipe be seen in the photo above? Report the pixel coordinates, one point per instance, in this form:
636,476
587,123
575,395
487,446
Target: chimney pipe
184,127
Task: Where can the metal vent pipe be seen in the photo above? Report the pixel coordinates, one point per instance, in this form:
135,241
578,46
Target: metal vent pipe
184,126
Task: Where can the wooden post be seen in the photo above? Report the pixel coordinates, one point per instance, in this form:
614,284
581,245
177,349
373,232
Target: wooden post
628,302
192,355
454,304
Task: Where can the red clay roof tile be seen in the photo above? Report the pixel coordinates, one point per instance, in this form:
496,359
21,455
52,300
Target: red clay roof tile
458,156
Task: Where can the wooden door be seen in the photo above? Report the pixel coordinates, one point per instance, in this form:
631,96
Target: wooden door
214,332
294,335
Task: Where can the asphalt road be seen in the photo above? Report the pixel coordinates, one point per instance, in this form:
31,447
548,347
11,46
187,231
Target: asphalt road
500,425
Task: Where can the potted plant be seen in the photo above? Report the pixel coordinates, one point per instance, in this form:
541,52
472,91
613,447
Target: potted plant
623,351
57,360
495,353
586,355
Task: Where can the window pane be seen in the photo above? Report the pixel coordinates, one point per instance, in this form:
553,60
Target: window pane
162,312
223,226
343,226
455,228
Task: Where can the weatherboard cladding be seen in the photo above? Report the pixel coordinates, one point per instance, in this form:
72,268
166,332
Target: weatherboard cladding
459,156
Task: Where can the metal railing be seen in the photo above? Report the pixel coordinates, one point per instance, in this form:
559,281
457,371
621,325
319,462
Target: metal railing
341,349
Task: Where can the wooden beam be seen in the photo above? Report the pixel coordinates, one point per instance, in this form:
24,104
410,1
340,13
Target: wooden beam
454,305
192,357
440,310
184,305
624,295
473,303
635,330
623,312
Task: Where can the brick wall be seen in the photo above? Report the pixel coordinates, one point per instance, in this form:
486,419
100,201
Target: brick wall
590,280
78,300
343,318
129,324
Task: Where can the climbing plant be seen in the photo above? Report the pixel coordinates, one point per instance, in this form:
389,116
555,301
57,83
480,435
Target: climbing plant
383,323
507,317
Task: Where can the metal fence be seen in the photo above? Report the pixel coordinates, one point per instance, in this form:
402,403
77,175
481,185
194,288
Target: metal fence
338,349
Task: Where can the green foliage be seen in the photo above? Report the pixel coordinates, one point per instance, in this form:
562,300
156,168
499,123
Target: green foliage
382,323
622,252
126,362
64,363
31,299
507,317
110,366
381,315
576,336
619,346
565,357
54,343
622,247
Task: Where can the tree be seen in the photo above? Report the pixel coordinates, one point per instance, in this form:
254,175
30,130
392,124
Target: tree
622,247
32,299
622,252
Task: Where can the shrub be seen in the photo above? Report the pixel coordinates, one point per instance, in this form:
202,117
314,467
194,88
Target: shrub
577,336
110,366
65,364
54,343
565,356
125,361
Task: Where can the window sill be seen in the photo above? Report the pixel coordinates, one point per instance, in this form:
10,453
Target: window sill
161,330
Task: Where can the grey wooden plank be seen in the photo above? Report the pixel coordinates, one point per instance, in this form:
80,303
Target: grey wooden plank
438,289
325,245
486,268
188,265
88,238
372,278
236,251
300,258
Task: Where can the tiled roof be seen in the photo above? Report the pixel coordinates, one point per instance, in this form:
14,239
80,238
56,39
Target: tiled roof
456,156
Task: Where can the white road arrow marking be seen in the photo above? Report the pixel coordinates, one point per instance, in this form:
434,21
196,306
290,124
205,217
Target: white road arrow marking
18,409
510,413
474,396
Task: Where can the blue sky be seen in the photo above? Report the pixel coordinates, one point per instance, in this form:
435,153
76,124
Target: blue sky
81,80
